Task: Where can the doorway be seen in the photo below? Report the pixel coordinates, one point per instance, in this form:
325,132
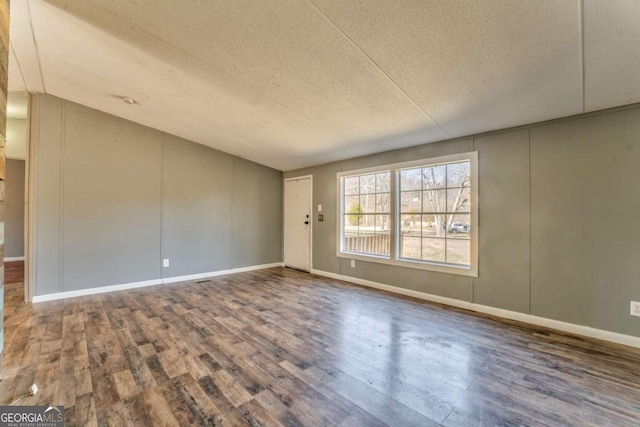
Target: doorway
16,190
298,222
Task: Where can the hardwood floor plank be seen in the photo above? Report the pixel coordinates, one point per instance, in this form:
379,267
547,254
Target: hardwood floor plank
346,405
375,403
125,384
208,385
137,411
232,390
271,403
598,413
158,410
197,400
85,411
256,415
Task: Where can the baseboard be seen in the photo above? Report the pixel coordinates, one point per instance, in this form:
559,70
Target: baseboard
499,312
220,273
14,258
134,285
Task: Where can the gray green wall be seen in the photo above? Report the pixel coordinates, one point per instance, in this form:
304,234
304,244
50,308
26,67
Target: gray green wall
559,204
14,209
112,199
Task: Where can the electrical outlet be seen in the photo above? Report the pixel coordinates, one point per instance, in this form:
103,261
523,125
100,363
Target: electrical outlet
353,263
165,262
33,390
635,308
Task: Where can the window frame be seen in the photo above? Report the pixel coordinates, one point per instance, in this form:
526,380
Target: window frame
394,256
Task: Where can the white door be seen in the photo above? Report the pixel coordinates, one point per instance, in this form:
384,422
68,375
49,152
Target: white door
297,223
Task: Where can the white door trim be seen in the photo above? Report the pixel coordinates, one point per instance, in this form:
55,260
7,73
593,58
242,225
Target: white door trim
295,178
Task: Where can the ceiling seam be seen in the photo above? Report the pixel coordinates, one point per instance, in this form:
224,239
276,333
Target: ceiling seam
35,44
581,7
375,64
225,76
15,56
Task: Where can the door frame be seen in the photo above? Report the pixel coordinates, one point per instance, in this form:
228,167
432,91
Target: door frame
284,188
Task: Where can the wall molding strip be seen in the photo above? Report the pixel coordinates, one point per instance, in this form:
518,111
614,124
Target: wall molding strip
145,283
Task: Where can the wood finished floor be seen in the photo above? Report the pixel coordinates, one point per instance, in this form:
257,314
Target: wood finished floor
280,347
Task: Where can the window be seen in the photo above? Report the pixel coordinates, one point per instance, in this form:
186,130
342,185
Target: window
367,214
420,214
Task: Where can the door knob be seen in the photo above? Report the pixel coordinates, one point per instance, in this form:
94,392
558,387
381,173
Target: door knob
306,222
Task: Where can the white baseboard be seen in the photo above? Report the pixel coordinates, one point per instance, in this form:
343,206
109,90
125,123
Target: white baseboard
499,312
134,285
220,273
14,258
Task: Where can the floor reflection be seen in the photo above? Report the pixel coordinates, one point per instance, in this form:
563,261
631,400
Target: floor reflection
405,357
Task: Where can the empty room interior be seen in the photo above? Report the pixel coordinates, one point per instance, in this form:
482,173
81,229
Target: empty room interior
321,212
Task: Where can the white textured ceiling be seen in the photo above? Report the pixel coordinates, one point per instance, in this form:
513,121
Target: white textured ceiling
292,83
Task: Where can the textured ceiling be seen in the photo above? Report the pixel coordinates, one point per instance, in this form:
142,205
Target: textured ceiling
292,83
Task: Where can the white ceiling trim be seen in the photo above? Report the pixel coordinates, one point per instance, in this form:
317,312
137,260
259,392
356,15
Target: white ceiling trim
24,47
35,46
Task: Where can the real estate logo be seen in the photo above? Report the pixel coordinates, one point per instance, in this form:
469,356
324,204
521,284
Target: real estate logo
31,416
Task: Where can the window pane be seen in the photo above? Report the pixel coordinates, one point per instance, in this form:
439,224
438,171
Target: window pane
352,205
410,247
383,222
459,200
458,174
368,203
367,184
410,224
351,185
382,203
433,250
383,182
459,251
433,225
383,244
351,242
434,177
367,223
351,223
410,202
377,244
365,196
410,179
459,226
434,201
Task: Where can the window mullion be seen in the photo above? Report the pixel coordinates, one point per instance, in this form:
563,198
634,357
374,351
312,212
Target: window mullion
394,201
446,209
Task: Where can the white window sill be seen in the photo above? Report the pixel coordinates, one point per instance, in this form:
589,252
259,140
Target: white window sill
420,265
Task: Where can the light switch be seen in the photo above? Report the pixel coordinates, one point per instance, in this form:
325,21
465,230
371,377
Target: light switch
319,208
